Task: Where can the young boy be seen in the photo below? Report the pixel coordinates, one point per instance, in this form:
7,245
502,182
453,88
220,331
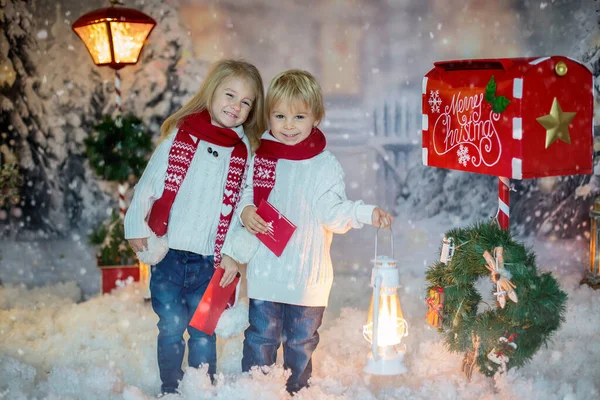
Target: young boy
305,183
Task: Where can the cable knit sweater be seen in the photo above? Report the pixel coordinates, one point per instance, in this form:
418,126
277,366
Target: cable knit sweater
197,207
311,194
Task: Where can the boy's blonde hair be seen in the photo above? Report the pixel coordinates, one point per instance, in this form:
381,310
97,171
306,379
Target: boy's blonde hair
295,86
256,122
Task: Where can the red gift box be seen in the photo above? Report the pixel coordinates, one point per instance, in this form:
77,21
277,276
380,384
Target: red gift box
280,231
215,300
545,130
113,273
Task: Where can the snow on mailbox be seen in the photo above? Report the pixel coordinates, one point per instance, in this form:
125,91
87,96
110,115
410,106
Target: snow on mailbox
516,118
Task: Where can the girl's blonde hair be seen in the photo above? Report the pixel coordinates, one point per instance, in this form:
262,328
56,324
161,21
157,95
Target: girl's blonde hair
294,86
256,122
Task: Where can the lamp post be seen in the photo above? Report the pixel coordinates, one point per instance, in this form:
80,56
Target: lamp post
114,37
385,326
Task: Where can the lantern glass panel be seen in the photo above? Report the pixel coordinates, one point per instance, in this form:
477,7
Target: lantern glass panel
128,40
144,272
95,38
391,327
594,256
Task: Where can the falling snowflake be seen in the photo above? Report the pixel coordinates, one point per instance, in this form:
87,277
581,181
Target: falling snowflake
435,101
463,155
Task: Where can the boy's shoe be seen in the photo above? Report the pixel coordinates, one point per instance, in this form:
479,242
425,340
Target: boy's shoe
170,395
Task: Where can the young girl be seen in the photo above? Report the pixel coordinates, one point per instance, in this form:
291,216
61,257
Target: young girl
184,203
288,294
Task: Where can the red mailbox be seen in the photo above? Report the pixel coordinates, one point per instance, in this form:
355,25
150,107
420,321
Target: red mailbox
515,118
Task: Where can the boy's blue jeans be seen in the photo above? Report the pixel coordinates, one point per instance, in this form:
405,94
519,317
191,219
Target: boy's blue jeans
273,323
177,284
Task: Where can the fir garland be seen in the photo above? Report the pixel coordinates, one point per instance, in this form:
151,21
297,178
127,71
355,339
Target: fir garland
538,313
118,152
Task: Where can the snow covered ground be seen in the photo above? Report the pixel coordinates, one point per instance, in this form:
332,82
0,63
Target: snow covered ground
53,345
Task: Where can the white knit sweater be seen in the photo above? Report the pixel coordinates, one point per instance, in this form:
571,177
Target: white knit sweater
311,194
197,207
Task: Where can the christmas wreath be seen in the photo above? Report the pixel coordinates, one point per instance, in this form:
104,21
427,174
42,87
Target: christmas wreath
530,305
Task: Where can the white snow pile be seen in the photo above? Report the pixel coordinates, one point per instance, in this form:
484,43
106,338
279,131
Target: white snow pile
54,347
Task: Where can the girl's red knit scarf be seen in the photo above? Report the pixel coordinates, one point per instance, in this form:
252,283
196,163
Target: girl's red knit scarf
196,127
270,151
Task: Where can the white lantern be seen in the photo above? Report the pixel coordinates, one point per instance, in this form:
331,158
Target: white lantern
385,326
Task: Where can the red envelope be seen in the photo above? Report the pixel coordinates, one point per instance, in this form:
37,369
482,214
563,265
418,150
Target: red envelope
281,229
215,300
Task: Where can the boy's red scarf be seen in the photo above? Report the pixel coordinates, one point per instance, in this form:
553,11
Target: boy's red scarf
270,151
196,127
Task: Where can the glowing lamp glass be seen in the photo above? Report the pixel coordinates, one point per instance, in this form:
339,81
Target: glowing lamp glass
114,36
593,273
144,272
392,327
128,40
95,38
385,326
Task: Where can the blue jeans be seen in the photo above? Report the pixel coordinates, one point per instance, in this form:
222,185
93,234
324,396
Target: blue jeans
178,283
273,323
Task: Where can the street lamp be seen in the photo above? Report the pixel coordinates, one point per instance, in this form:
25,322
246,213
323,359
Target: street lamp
114,37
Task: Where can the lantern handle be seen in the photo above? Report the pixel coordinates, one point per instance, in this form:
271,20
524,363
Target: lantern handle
391,242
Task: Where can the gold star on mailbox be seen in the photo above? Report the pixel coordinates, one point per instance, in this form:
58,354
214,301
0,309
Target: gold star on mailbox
557,124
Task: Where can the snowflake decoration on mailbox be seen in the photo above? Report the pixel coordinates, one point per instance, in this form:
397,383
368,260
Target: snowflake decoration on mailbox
434,101
463,155
517,118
